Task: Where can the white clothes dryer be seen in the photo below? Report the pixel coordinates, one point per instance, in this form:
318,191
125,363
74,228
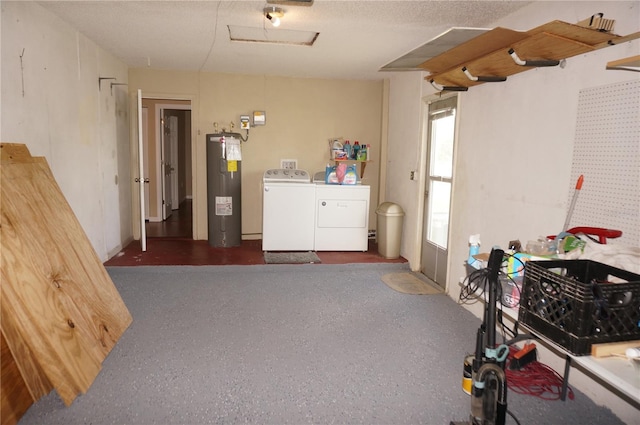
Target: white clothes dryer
342,217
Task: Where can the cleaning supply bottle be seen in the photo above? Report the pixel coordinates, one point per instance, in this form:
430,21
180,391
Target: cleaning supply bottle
362,153
336,149
356,150
347,149
474,249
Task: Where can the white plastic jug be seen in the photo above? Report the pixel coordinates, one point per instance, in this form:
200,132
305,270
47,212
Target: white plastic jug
335,148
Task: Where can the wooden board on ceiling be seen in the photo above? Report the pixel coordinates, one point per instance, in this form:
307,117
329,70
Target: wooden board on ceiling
473,49
575,32
549,46
630,62
499,63
555,40
58,303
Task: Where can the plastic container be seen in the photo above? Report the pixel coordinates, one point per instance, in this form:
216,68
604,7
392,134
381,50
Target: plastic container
337,150
362,153
577,303
389,229
474,249
348,149
632,353
356,150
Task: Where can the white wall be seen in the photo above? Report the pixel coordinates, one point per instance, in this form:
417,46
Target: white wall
403,155
83,131
514,150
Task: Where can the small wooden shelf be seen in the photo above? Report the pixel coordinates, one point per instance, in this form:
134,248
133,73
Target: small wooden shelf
627,64
488,54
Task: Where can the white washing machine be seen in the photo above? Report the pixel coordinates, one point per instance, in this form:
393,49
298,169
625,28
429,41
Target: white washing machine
288,210
342,217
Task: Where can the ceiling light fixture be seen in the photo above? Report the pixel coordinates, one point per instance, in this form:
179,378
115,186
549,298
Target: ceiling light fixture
273,14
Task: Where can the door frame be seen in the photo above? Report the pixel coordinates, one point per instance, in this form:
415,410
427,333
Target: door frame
159,108
135,210
424,171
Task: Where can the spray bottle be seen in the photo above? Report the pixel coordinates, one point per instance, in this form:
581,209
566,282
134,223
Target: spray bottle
474,249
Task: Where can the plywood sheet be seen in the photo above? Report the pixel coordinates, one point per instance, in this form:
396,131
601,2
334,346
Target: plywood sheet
499,63
14,394
57,298
575,33
625,63
486,55
32,374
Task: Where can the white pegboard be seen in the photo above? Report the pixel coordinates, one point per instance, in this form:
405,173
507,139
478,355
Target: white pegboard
607,152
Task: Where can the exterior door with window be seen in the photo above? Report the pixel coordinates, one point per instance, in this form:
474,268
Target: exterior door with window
440,134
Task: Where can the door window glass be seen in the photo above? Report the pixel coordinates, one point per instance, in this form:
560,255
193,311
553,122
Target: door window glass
439,201
441,137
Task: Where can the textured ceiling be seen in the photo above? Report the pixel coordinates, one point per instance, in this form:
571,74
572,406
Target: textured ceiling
356,38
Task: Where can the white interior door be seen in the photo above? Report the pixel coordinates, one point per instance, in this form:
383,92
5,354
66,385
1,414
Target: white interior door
165,164
165,142
437,200
173,141
145,148
141,180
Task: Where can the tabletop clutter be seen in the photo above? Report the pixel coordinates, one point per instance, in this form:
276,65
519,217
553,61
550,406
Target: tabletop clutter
341,174
341,152
579,292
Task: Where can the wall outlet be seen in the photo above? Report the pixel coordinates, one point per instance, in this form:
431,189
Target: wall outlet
289,164
412,175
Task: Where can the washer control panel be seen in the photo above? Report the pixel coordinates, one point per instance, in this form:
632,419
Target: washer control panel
286,175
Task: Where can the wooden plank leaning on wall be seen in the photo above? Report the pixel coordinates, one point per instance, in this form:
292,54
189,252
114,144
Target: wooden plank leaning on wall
61,314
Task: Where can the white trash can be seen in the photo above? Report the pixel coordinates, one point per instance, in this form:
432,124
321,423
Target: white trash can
389,229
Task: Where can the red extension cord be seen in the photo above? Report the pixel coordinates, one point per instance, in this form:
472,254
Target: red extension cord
535,379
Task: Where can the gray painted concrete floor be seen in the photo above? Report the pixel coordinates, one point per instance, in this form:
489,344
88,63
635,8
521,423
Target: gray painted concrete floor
288,344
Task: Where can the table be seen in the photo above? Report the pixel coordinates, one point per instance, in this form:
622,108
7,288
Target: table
617,372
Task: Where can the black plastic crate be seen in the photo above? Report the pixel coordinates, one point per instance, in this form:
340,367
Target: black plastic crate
576,303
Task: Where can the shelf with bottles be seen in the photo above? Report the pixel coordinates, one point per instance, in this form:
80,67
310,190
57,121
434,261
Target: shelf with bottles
342,151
